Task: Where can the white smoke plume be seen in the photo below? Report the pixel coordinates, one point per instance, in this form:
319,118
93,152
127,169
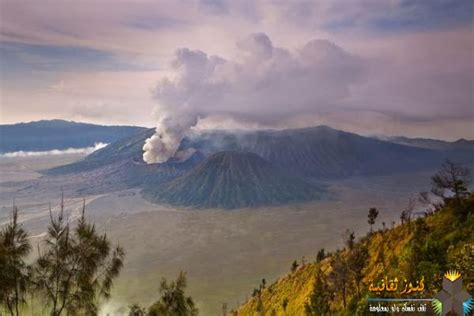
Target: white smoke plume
263,85
54,152
167,138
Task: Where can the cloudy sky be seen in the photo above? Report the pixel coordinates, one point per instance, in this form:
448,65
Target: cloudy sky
394,67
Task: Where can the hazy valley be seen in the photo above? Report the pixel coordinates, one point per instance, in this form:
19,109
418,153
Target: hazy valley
224,251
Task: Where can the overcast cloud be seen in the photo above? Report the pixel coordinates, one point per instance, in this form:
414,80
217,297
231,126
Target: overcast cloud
373,67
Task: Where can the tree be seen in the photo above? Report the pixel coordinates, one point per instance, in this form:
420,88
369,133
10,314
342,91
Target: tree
294,266
77,268
349,237
464,262
357,262
14,272
373,213
320,297
431,200
451,182
404,217
136,310
340,276
255,292
173,301
320,255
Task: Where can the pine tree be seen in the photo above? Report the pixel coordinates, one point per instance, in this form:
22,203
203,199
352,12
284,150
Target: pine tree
373,213
320,255
294,266
136,310
14,272
173,301
349,239
77,267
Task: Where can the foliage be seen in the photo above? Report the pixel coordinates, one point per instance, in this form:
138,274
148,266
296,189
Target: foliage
320,255
320,298
77,267
136,310
350,239
73,272
294,266
452,179
373,213
14,272
339,276
173,301
425,248
357,261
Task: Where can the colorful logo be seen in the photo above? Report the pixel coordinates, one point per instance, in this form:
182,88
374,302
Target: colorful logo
452,298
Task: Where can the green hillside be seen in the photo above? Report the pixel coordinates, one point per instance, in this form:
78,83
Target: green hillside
423,247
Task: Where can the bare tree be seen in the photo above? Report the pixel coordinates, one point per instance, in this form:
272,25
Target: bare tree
451,181
408,211
431,200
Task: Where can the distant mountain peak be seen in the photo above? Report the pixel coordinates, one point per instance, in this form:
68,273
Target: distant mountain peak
59,134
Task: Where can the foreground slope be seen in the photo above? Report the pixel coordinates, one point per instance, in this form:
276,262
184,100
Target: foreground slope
425,247
232,179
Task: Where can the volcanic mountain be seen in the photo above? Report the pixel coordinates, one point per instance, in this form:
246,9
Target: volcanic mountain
233,179
323,152
305,155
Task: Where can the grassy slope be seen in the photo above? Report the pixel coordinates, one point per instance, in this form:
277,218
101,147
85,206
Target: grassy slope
443,239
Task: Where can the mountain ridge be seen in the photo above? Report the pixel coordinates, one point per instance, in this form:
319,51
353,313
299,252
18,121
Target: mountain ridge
311,154
47,135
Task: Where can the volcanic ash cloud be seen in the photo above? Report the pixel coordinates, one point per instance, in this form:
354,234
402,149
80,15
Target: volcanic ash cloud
262,84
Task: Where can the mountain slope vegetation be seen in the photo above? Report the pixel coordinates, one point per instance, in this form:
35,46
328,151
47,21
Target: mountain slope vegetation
337,283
